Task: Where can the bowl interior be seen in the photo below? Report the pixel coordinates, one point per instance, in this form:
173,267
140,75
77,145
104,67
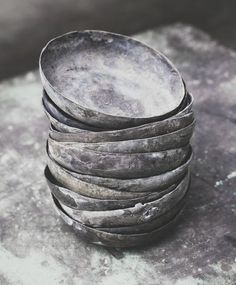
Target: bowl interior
112,74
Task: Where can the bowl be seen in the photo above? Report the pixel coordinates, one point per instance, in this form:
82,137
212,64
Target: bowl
61,117
115,240
109,80
63,132
138,214
140,185
116,165
171,140
77,201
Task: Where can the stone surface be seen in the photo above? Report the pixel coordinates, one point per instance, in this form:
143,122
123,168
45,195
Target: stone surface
36,247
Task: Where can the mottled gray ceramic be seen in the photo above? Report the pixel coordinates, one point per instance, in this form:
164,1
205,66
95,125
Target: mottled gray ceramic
110,81
112,239
151,225
60,129
80,202
144,131
172,140
60,118
116,165
187,107
65,178
148,184
65,123
63,132
140,213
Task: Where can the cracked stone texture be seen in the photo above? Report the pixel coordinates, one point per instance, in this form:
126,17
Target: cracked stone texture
37,248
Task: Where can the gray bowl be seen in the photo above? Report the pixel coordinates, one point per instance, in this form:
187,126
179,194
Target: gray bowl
61,119
64,122
109,80
116,165
63,132
151,225
140,185
103,238
80,202
71,182
59,131
140,213
172,140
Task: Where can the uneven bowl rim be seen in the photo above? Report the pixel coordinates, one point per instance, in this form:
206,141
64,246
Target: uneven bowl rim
97,113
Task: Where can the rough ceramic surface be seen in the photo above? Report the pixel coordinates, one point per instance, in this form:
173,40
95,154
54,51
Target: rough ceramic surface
62,132
69,133
64,118
109,80
140,213
65,123
68,180
77,201
99,237
146,184
151,225
116,165
96,204
172,140
61,117
35,245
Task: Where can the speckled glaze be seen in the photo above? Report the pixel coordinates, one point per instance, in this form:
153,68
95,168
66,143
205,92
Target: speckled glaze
147,184
112,239
100,78
77,201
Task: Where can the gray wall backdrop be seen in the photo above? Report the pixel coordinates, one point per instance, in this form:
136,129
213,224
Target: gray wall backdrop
26,25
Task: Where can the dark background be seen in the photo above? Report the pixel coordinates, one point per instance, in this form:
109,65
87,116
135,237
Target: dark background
26,25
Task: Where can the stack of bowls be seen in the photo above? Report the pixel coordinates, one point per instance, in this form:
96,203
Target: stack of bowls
118,147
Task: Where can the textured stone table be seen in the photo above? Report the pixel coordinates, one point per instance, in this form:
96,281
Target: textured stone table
37,248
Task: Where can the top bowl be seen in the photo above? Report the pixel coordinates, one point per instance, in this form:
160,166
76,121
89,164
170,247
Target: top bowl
109,80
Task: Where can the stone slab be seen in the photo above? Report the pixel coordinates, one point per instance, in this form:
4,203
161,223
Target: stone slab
37,248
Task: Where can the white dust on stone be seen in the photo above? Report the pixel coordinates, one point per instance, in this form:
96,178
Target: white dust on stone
228,177
36,268
231,175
